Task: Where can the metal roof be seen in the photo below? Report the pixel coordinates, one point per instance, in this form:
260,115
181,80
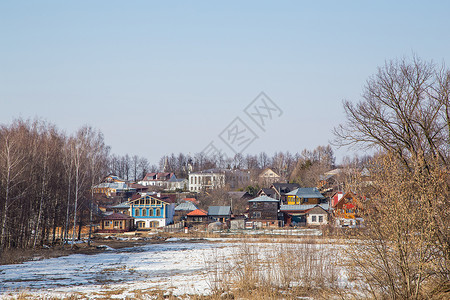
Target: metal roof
122,205
219,210
306,193
302,207
186,206
263,198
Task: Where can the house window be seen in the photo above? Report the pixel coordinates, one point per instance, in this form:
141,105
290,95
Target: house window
150,212
147,201
305,200
107,223
141,202
313,219
255,205
141,224
320,219
256,214
144,212
158,212
116,223
136,212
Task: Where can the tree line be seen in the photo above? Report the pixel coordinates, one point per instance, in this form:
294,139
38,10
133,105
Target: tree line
45,181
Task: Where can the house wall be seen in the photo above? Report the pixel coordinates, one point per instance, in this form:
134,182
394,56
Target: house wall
317,219
293,200
150,212
263,210
116,224
206,181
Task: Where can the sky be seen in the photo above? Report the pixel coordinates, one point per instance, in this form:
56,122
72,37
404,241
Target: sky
161,77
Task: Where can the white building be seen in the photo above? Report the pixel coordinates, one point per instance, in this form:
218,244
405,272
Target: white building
206,180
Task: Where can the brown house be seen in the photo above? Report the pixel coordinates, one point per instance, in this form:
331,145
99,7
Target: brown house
196,217
116,222
263,212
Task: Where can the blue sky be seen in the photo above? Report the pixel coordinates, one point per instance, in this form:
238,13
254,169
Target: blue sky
169,76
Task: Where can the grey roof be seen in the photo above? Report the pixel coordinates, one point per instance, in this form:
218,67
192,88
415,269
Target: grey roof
122,205
186,206
176,179
263,198
303,207
114,185
317,210
219,211
306,193
285,187
268,192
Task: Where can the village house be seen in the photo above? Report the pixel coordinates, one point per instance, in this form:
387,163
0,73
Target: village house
196,217
219,213
263,212
267,177
304,196
306,214
174,184
347,211
282,189
151,212
116,222
112,189
157,179
182,209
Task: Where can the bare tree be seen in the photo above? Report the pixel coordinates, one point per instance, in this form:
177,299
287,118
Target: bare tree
405,114
405,110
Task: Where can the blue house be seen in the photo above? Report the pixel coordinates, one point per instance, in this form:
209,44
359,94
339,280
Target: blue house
151,212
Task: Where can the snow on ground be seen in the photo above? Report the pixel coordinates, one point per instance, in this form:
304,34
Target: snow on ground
173,266
178,266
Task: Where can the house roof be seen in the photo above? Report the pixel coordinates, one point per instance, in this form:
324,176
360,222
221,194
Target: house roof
113,185
306,193
317,210
347,197
161,176
117,216
268,192
303,207
122,205
284,188
219,210
263,198
197,213
266,170
193,200
186,206
173,179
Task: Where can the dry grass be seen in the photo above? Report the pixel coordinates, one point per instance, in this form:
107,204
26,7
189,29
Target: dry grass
280,271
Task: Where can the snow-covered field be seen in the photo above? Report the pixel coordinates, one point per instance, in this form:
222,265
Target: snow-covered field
176,266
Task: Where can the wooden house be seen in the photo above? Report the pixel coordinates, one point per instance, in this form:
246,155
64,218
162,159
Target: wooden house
263,212
304,196
116,222
182,209
195,217
219,213
302,214
151,212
